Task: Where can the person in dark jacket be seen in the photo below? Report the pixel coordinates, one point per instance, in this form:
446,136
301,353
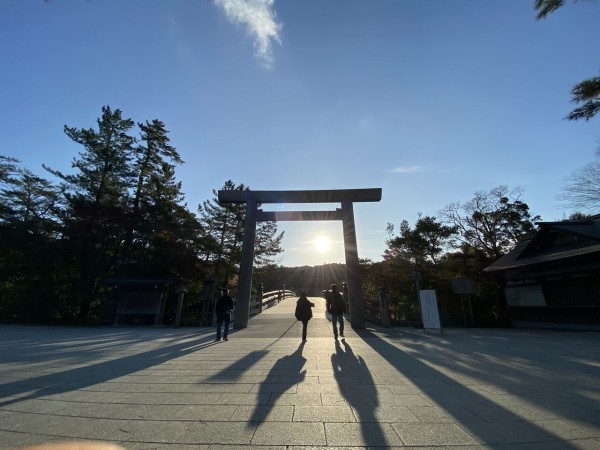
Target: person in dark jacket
223,309
336,307
304,312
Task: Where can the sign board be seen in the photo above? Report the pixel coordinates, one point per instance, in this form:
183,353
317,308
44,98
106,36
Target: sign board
429,310
463,286
525,296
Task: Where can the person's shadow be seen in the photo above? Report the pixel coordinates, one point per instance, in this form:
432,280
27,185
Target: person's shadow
362,397
289,364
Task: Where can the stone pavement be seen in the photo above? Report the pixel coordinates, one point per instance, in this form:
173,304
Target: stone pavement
165,388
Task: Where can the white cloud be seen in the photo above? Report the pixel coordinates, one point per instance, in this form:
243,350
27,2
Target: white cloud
408,169
259,18
413,169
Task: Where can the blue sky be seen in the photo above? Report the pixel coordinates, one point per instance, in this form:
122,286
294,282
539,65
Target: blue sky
430,100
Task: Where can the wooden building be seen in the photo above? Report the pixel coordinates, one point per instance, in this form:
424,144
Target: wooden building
553,279
138,300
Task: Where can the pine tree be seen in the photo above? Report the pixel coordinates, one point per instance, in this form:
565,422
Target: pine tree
151,155
224,233
97,198
169,234
28,253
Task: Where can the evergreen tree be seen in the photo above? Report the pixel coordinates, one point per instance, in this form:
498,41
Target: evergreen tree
97,200
103,169
32,202
586,92
425,242
8,171
151,155
268,243
223,225
169,235
28,253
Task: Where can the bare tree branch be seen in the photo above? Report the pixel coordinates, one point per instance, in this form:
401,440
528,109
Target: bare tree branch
582,191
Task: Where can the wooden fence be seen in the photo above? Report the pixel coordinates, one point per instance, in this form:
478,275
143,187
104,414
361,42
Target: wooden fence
258,305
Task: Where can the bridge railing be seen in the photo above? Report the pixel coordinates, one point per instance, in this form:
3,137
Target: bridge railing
268,299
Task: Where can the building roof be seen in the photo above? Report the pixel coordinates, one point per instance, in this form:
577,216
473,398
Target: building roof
553,242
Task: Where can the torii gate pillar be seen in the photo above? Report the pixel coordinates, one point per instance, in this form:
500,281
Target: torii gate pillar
357,315
346,214
242,304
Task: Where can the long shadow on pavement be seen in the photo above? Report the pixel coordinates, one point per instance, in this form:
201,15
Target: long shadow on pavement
512,430
292,365
230,373
554,373
347,365
88,375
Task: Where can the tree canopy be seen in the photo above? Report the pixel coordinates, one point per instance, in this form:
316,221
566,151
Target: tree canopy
585,93
224,232
492,222
425,242
120,212
582,189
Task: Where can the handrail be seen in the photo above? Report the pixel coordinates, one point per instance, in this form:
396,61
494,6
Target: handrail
268,299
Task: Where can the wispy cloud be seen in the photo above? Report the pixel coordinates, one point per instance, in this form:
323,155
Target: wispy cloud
408,169
259,18
414,169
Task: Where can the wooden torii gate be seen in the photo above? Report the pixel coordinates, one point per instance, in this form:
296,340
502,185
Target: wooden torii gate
346,197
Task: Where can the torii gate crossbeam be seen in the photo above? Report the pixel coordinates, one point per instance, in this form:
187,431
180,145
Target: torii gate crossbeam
346,197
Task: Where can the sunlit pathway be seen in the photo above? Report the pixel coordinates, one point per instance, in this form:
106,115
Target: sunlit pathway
176,389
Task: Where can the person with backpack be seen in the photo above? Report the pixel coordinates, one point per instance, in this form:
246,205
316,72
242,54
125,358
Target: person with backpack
304,313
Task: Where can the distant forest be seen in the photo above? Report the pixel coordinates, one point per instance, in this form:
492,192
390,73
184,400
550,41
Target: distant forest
312,279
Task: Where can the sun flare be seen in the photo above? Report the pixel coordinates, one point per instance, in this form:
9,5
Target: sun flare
322,243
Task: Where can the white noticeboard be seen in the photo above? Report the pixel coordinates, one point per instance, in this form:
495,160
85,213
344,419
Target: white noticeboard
429,310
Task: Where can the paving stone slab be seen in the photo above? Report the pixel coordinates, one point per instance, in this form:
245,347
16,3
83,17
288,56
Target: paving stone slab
389,414
324,414
204,413
289,433
361,434
232,433
275,388
571,429
304,398
433,434
163,432
578,444
263,413
244,399
509,433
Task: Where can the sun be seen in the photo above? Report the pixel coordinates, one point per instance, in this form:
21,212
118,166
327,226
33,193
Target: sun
322,243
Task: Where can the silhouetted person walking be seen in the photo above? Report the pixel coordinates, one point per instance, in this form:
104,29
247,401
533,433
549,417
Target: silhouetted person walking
223,309
304,312
336,307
